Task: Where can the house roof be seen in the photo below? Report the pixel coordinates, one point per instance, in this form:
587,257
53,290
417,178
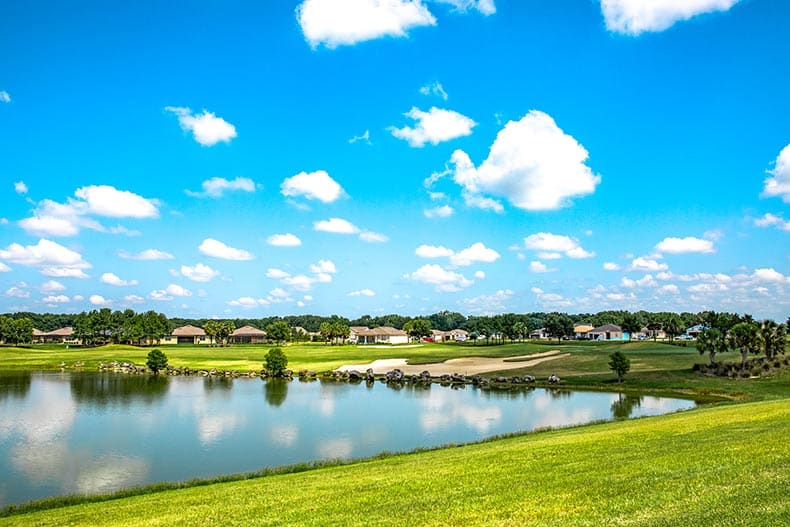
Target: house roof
698,327
62,332
189,331
248,331
38,332
357,329
300,329
605,328
582,328
439,333
459,332
383,330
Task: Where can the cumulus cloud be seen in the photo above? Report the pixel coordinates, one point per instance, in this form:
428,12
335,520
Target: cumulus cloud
18,291
532,163
20,187
217,186
148,254
634,17
434,126
323,266
172,290
537,266
363,292
52,258
247,302
217,249
333,23
772,220
444,281
284,240
98,300
49,226
314,185
444,211
134,299
770,275
5,97
434,88
113,279
277,274
51,286
206,128
647,264
485,7
55,299
372,237
685,245
433,251
552,246
480,275
4,268
365,138
488,304
611,266
106,200
779,184
336,225
477,252
199,272
551,300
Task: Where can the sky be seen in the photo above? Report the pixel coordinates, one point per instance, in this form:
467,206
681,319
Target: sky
249,159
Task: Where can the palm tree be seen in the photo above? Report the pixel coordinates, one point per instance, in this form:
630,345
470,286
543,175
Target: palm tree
743,337
771,338
711,341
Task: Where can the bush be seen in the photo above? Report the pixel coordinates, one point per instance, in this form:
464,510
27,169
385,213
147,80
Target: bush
276,362
156,361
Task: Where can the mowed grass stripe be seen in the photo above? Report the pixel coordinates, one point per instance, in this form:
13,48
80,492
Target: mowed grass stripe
724,465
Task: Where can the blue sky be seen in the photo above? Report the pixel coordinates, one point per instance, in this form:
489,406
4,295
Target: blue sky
360,156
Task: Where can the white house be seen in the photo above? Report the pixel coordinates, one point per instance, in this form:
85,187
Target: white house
186,335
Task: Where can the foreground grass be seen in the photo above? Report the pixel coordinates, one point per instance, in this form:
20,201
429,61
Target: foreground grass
723,465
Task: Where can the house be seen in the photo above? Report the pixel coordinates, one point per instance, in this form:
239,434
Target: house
654,333
248,335
581,331
694,331
354,332
186,335
607,332
458,335
58,336
381,335
541,333
437,335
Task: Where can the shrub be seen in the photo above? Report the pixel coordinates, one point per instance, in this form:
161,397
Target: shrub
276,362
156,361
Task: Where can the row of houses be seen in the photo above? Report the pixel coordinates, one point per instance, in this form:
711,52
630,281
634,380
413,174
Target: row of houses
615,332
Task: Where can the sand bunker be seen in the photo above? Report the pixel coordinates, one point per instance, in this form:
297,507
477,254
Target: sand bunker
465,365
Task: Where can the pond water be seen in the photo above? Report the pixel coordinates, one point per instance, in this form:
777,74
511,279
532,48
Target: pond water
63,433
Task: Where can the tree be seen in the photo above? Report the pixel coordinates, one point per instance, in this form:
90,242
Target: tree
620,364
211,327
743,337
632,324
771,338
520,330
278,332
156,361
559,325
225,329
325,329
418,328
276,362
711,341
673,326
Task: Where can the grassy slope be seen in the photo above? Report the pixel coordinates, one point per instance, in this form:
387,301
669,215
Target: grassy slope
724,465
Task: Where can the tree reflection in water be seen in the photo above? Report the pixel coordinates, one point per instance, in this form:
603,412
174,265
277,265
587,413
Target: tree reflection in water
14,384
275,391
625,404
104,389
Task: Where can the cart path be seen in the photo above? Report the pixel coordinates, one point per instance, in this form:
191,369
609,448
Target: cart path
465,365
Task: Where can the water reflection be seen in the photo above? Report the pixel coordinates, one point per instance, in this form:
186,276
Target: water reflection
275,391
15,384
109,388
625,404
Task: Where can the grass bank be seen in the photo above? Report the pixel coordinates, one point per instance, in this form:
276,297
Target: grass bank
722,465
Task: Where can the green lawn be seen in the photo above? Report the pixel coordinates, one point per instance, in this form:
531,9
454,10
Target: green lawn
714,466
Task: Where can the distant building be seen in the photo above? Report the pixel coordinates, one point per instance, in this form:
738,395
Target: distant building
186,335
58,336
458,335
607,332
540,333
248,335
694,331
581,331
380,335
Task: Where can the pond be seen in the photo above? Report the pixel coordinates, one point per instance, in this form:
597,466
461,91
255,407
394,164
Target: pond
72,432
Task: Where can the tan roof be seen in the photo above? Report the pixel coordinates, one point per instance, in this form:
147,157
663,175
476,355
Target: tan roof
439,332
62,332
459,332
38,332
188,331
249,330
383,330
582,328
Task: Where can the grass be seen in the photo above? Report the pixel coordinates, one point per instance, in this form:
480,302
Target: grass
720,465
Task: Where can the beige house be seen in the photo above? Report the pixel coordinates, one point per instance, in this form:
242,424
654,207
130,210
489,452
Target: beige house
381,335
581,331
458,335
58,336
186,335
437,335
606,332
248,335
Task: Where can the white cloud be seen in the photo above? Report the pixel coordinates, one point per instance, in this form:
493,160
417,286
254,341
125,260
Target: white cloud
779,184
77,298
480,275
5,97
633,17
48,226
441,278
549,255
335,23
532,163
551,245
363,292
611,266
134,299
105,200
770,275
323,266
148,254
199,272
113,279
432,251
51,286
18,291
216,187
439,212
488,304
685,245
53,259
217,249
476,252
536,266
4,268
20,187
434,88
98,300
372,237
365,138
168,293
301,282
647,264
670,288
277,274
771,220
246,302
284,240
336,225
206,128
434,126
279,293
551,300
55,299
314,185
486,7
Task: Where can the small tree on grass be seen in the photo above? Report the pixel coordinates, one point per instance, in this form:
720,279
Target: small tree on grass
276,361
156,361
620,364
